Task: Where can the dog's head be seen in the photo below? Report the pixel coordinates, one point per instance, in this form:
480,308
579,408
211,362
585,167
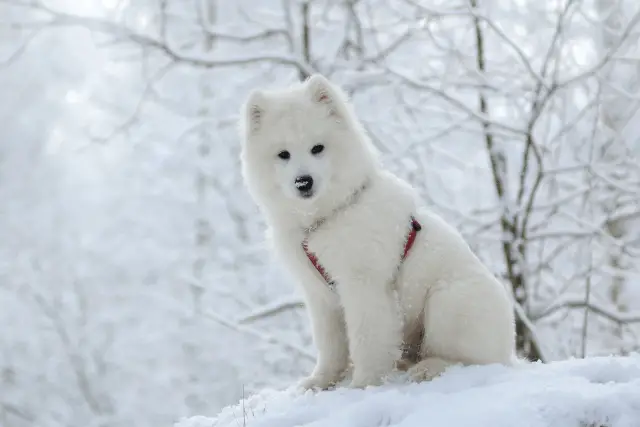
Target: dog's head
302,146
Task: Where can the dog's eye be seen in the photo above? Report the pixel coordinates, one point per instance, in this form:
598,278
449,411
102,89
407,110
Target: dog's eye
284,155
317,149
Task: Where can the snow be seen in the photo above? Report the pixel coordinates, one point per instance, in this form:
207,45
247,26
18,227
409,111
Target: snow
596,392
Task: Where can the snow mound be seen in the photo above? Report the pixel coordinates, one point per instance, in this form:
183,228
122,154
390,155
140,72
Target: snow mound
597,392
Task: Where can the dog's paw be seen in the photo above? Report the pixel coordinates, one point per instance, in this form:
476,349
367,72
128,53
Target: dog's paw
361,380
317,382
429,368
404,365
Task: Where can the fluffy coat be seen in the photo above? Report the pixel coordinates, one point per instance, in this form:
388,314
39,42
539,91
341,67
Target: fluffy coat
441,302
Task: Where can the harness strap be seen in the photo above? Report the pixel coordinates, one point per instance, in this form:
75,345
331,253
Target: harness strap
314,260
411,238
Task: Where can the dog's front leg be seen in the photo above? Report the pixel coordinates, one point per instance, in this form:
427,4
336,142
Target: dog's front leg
330,338
374,330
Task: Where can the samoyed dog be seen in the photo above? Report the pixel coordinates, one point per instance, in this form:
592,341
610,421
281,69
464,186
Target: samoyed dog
386,284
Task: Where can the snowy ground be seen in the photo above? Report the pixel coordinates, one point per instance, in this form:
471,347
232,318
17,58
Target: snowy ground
598,392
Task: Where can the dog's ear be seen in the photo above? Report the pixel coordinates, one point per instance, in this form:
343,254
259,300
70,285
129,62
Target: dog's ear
254,111
322,92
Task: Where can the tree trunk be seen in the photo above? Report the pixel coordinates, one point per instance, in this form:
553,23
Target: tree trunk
513,247
305,37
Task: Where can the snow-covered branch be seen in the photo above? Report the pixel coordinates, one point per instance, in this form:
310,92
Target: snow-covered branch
271,309
574,302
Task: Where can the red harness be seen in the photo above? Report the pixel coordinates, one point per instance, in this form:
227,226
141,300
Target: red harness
411,238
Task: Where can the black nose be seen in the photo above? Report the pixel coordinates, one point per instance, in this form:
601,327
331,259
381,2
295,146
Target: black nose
304,183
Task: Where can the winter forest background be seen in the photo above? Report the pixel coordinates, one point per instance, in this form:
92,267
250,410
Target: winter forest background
135,284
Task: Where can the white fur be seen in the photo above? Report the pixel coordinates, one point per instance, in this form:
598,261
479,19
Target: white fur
441,289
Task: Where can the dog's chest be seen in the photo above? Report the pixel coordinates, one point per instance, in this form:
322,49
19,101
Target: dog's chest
333,244
344,252
338,251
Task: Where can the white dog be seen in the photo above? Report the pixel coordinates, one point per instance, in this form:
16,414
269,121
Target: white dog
380,277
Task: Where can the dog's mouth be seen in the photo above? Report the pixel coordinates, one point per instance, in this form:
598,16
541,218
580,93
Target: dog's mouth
306,194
